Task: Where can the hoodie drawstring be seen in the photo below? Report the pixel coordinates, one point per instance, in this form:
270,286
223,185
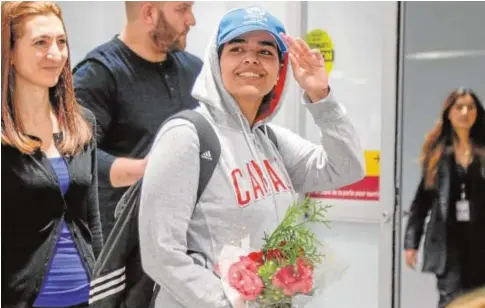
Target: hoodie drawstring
254,154
281,164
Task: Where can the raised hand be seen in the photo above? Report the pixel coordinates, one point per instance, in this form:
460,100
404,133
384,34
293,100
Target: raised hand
308,68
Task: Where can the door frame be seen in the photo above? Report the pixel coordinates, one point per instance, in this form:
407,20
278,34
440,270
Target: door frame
390,114
399,150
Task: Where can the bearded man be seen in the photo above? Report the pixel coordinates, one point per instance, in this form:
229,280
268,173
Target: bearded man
132,83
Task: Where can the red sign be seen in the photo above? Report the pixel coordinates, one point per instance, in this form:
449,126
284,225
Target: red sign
365,189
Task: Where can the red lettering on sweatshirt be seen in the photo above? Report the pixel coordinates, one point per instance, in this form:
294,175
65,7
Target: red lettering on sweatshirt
256,182
242,202
277,182
261,176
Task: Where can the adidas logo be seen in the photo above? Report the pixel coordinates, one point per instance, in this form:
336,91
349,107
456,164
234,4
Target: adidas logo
206,155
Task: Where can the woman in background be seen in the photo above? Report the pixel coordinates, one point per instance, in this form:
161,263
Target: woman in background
452,192
50,216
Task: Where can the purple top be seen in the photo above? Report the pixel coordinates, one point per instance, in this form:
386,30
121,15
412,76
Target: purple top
66,283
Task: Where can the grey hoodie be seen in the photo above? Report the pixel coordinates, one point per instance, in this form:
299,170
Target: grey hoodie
248,194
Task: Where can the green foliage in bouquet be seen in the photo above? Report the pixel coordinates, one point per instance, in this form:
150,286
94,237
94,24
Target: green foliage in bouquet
293,237
271,295
292,240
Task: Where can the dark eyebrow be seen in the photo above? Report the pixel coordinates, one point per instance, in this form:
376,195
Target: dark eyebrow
236,41
46,36
263,43
268,43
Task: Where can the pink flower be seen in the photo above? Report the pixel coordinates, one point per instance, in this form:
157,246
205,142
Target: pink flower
294,278
244,278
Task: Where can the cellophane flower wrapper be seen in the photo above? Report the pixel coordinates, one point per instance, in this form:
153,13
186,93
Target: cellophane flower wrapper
281,275
332,269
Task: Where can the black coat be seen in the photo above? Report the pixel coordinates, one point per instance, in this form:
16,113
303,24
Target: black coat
435,203
32,210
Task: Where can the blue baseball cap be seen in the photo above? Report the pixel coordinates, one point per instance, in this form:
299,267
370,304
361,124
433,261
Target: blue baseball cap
252,18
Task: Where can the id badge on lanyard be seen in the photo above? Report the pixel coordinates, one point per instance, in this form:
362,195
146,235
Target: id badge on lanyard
463,207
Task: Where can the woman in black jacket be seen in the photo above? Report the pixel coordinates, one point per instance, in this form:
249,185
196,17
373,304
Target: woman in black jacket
452,193
51,231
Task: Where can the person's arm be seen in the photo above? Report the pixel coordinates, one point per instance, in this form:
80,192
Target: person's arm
93,216
168,198
337,161
418,211
126,171
95,89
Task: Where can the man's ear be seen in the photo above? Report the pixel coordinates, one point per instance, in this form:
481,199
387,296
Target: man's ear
149,14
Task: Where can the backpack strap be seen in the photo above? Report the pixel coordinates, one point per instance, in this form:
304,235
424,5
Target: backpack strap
210,151
210,147
267,130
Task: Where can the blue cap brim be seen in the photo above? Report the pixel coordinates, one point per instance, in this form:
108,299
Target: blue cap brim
248,28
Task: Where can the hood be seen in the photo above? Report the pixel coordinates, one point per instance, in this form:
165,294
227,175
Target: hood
210,91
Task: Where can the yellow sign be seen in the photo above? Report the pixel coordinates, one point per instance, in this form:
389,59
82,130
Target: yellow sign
320,39
372,159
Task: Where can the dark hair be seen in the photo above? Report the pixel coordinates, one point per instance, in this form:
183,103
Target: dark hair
442,135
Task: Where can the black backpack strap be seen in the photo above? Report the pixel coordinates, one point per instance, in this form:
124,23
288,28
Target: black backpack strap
210,147
266,129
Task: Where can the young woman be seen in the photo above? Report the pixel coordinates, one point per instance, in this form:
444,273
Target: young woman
240,88
50,215
452,193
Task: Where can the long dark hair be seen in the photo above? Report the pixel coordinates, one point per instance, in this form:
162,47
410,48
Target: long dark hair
442,135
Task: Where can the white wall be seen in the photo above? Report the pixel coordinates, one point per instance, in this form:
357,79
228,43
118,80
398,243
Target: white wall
90,24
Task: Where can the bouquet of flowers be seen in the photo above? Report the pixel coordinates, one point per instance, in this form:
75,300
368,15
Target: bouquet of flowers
284,268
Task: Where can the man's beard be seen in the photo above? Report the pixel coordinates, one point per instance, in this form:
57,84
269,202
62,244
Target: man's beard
165,38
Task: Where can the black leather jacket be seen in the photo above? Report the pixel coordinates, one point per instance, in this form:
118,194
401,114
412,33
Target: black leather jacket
434,202
32,210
